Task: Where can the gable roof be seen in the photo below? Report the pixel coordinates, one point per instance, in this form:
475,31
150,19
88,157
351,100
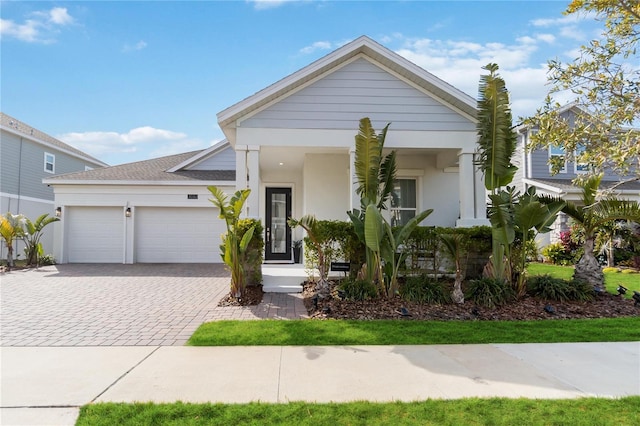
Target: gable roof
362,45
201,156
567,185
20,128
146,172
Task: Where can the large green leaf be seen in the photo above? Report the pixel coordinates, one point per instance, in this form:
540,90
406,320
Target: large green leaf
496,137
530,215
403,232
373,228
367,159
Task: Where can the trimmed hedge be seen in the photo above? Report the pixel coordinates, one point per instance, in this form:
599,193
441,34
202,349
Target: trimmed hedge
424,254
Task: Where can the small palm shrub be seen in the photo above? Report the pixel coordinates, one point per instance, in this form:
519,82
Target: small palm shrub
47,259
489,292
557,289
358,289
580,290
424,289
548,287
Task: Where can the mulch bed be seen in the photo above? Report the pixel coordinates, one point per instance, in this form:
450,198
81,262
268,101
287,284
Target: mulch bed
527,308
252,296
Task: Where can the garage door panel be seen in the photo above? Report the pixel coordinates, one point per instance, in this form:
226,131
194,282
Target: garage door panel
95,234
178,235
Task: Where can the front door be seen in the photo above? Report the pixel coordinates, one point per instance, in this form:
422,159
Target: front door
277,232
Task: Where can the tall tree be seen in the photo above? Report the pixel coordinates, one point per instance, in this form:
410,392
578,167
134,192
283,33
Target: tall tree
605,82
234,247
496,145
11,228
591,215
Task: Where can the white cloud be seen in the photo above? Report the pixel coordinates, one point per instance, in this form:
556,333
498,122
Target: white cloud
28,31
101,143
460,63
267,4
39,27
138,46
318,45
60,16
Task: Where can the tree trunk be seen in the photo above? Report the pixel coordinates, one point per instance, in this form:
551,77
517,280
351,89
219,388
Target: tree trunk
588,269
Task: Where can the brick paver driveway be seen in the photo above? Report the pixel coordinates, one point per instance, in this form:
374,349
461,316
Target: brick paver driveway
114,305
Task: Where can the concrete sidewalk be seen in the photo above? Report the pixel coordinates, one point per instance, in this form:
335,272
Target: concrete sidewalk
47,385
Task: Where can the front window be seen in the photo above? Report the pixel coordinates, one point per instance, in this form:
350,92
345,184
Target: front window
580,166
557,159
49,163
403,201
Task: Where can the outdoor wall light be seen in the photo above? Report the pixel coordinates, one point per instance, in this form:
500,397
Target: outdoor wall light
622,290
58,211
127,212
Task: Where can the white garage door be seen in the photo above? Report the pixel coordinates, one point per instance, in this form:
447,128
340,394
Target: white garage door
95,234
178,235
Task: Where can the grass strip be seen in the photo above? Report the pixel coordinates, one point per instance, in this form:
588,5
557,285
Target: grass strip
469,411
407,332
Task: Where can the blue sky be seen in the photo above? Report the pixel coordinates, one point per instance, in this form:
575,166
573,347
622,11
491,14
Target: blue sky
127,81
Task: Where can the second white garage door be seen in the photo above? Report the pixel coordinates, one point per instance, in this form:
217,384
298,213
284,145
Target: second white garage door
178,235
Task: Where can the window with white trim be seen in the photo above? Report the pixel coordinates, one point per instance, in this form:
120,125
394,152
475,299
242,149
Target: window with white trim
49,163
557,159
403,201
580,167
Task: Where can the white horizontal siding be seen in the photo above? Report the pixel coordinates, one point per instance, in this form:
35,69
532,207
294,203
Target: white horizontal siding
360,89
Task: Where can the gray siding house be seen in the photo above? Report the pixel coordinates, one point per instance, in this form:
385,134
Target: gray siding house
534,170
27,156
293,145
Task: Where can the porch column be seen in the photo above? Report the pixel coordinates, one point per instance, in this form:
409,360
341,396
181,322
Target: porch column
241,167
253,183
354,201
481,195
466,188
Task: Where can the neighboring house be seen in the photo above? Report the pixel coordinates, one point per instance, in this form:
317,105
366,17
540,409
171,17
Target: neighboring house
27,156
292,144
534,170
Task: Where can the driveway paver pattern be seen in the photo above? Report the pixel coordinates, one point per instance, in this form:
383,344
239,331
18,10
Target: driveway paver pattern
122,305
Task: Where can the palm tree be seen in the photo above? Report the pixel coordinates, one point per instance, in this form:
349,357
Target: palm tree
233,248
454,248
310,224
32,235
11,227
496,146
375,174
591,217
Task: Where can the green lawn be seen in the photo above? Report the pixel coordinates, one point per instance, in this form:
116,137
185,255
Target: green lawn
408,332
470,411
612,279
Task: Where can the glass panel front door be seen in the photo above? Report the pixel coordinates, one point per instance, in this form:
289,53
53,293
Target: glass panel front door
277,232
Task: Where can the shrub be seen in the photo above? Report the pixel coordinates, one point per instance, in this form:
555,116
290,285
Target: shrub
548,287
610,269
580,290
489,292
629,271
422,288
557,254
557,289
252,263
339,243
47,259
355,289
